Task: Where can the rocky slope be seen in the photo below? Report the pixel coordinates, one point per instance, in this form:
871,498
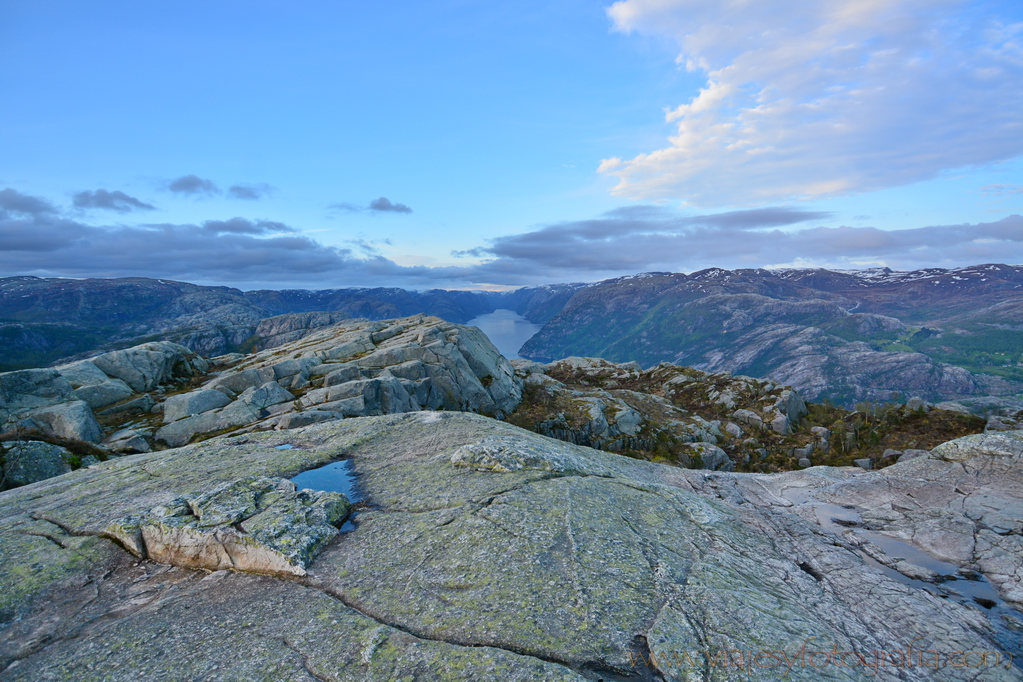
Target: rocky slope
686,417
484,552
847,337
161,394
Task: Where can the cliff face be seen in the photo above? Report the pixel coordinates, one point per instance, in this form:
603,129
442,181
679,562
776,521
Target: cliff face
847,337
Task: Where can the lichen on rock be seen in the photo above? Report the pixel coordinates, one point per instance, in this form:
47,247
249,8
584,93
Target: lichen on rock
257,524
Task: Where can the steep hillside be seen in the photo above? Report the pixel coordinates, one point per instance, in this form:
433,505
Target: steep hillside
844,336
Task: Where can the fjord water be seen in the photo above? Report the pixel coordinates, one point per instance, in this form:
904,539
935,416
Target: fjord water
506,329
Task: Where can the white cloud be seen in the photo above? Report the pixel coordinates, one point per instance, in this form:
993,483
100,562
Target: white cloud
826,98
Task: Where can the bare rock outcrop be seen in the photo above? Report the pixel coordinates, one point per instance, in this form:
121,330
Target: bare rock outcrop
667,413
255,524
353,368
490,553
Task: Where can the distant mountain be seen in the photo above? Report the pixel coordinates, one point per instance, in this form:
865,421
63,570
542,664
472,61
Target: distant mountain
842,335
43,320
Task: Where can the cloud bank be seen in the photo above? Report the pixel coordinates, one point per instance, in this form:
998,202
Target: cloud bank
37,239
648,238
250,192
381,205
193,185
827,98
111,201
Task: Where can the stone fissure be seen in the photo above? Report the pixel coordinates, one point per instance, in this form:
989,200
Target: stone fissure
305,662
318,585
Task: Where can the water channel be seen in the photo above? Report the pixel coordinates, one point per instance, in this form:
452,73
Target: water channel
506,329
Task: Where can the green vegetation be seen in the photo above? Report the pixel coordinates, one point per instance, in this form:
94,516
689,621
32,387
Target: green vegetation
23,346
979,348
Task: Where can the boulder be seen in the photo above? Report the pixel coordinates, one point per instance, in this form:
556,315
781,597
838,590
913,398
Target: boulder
182,431
28,461
233,383
128,442
149,365
25,389
304,418
255,524
196,402
72,420
270,393
92,385
710,457
142,403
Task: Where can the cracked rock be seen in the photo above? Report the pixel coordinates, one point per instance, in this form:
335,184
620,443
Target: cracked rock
257,524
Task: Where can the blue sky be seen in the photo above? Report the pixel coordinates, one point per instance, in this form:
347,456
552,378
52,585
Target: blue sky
252,144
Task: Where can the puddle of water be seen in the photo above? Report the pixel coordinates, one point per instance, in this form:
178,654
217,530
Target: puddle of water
977,592
286,446
336,477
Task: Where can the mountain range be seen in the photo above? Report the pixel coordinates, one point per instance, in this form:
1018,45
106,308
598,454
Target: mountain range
43,320
842,336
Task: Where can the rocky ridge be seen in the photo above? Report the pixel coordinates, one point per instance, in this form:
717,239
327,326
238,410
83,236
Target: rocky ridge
687,417
161,394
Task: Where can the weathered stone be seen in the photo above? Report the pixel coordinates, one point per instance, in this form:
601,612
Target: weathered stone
749,418
196,402
182,431
27,389
256,524
233,383
143,403
586,564
28,461
72,419
304,418
1008,444
127,441
913,454
780,424
270,393
864,463
145,367
1002,423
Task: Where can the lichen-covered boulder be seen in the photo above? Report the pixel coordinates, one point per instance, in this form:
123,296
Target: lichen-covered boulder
26,389
72,419
149,365
29,461
195,402
256,524
93,385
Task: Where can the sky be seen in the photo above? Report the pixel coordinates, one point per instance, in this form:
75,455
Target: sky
482,145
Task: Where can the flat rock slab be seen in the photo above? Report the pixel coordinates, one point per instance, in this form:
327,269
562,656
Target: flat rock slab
483,552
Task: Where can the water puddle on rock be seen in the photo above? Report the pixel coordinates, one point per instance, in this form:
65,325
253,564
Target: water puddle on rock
336,477
961,585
